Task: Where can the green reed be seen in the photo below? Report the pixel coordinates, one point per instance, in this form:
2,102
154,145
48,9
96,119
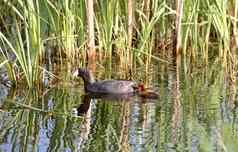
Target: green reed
146,33
206,26
25,40
106,25
207,32
64,20
8,64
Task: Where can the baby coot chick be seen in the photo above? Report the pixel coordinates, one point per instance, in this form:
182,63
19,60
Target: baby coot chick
147,92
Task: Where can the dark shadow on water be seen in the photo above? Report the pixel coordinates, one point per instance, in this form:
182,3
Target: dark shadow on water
112,97
129,97
86,100
83,108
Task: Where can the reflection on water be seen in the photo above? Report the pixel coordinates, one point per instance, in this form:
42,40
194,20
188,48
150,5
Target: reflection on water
191,114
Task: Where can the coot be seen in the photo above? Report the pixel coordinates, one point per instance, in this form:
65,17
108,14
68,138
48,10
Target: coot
105,86
112,87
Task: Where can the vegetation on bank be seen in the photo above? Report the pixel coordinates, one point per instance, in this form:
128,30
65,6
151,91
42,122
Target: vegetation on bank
33,33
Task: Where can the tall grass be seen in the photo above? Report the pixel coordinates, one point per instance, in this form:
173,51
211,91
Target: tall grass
206,31
25,39
64,20
105,22
146,34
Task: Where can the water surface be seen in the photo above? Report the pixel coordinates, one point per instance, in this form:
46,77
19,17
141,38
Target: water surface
193,113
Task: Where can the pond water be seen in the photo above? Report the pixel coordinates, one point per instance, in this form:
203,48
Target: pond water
195,112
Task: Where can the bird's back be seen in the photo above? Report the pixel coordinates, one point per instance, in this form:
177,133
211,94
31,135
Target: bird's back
112,86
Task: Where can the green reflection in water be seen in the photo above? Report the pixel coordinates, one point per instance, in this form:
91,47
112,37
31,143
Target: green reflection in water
192,114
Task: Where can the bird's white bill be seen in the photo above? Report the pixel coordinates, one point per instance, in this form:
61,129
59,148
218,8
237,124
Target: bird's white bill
75,73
